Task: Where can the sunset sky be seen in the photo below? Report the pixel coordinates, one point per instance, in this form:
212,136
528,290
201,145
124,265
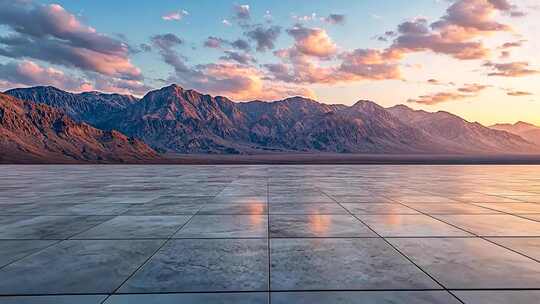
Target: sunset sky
475,58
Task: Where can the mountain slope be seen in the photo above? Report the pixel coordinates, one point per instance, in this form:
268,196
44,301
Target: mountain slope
364,127
31,132
453,132
528,131
183,121
90,107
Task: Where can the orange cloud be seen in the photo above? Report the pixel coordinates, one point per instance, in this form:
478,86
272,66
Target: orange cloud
465,91
519,93
438,98
312,41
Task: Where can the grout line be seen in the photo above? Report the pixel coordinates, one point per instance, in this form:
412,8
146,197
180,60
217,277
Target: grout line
32,253
152,255
520,215
396,249
276,291
483,237
269,297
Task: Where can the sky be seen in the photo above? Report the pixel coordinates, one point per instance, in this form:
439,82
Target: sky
474,58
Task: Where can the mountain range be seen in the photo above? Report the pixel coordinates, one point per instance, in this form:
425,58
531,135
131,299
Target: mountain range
175,120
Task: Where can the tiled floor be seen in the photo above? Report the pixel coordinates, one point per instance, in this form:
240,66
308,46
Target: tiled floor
269,234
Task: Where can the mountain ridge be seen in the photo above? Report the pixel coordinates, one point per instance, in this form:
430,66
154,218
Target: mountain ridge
173,119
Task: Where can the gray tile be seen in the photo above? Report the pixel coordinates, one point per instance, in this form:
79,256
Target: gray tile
192,298
318,225
379,208
225,226
364,297
300,198
66,209
334,264
471,263
527,246
13,250
327,208
204,265
499,296
494,224
76,266
79,299
409,226
47,227
234,208
250,199
136,227
452,208
164,209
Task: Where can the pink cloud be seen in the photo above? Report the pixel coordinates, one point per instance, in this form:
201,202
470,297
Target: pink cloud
457,32
463,92
312,41
29,73
52,34
175,16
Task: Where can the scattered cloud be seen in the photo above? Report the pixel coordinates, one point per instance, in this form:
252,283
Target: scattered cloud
437,98
357,65
233,77
305,18
226,22
268,16
242,11
166,41
519,93
239,57
264,38
512,44
145,47
335,19
115,85
175,16
504,55
312,41
472,88
463,92
511,69
241,44
218,43
214,42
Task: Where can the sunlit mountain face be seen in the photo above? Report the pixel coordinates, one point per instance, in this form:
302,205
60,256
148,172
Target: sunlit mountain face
473,58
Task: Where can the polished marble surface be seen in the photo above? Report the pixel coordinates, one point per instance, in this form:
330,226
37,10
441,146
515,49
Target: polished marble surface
269,234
